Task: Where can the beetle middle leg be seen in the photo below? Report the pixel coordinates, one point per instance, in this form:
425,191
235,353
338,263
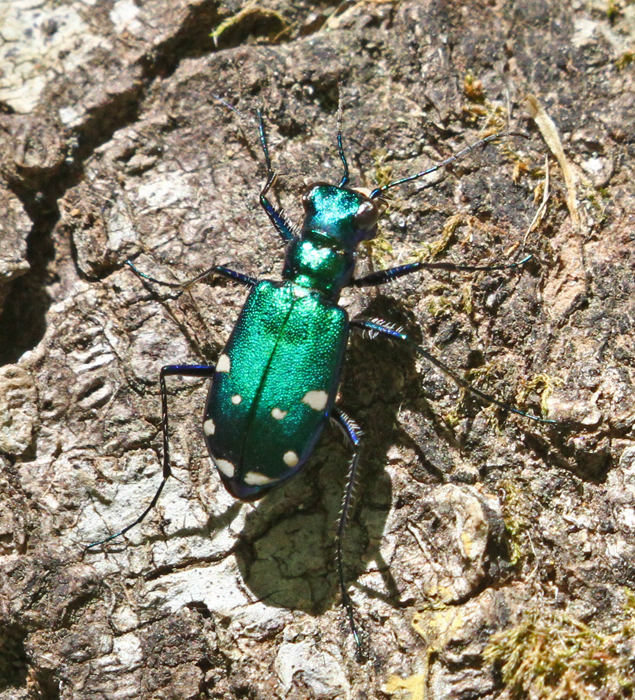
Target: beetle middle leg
204,371
377,327
393,273
221,270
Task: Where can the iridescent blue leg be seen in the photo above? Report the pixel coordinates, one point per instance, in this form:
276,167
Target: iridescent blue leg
277,217
282,225
352,434
214,270
377,327
206,371
383,276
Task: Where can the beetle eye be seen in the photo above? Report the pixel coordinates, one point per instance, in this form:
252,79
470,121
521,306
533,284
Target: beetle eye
366,215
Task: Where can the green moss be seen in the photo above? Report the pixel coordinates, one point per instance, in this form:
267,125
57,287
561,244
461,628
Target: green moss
515,516
252,19
379,250
612,10
473,88
550,655
453,418
438,306
543,385
383,172
467,297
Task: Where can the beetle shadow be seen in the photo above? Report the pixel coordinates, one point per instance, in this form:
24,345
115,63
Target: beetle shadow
286,553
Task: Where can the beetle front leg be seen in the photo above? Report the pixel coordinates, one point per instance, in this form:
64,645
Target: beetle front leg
206,371
352,435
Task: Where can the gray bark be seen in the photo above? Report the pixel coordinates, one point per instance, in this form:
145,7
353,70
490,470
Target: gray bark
468,523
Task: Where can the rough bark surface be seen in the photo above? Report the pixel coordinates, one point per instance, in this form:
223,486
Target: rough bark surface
488,556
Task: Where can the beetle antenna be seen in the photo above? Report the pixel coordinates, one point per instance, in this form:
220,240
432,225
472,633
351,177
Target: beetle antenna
265,148
443,164
239,113
344,180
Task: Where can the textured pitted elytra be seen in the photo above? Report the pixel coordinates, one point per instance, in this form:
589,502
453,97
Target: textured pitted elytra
277,382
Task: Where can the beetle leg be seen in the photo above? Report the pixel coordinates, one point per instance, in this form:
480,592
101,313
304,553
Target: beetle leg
243,279
352,434
277,217
215,269
392,273
340,148
206,371
378,327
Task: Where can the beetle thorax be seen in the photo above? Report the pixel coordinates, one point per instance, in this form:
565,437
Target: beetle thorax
317,262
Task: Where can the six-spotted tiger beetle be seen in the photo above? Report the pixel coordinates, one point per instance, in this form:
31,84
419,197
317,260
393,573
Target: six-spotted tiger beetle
274,385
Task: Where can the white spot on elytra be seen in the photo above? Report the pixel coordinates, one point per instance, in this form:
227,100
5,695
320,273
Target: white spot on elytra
224,364
209,428
236,399
290,458
316,400
300,292
225,466
257,479
278,414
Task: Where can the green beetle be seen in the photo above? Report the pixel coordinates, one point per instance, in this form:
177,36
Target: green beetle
276,381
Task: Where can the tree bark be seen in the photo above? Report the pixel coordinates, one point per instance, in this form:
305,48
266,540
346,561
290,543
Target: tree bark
487,555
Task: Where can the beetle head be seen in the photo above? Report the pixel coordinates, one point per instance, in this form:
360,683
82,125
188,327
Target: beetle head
343,214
